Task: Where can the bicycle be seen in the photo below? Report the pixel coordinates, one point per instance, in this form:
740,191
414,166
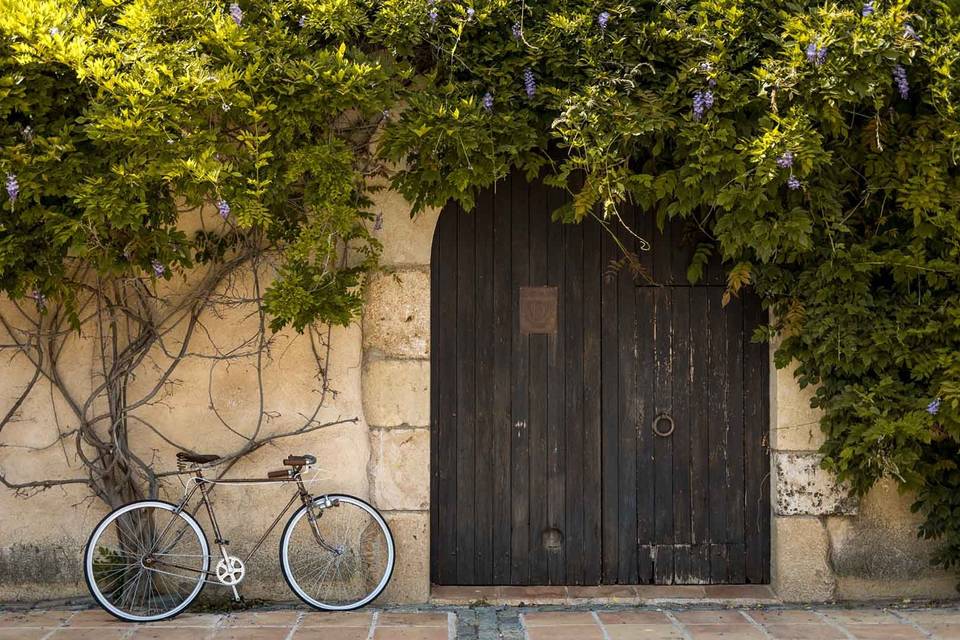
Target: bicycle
148,560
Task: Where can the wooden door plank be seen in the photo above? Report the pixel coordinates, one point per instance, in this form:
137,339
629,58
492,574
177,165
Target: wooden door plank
556,446
691,563
627,560
663,367
572,321
719,567
719,424
610,411
756,465
466,397
645,344
444,421
662,270
539,276
484,471
682,245
645,393
681,389
502,340
735,443
701,414
520,406
593,385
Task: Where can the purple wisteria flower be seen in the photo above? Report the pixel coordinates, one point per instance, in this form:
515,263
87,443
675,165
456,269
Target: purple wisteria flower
910,32
158,268
302,21
54,31
786,160
223,208
516,31
432,15
378,222
702,102
934,407
13,187
488,101
27,133
236,13
867,9
529,82
815,54
900,77
603,19
793,183
470,13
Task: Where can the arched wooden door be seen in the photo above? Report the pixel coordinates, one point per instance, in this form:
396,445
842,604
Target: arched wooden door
550,367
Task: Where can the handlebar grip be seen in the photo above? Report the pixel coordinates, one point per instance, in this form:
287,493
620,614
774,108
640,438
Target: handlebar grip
282,473
299,461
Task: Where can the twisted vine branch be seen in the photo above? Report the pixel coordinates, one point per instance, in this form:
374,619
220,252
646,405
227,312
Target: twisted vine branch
138,330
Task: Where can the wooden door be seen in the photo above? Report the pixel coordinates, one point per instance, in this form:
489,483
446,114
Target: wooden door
545,465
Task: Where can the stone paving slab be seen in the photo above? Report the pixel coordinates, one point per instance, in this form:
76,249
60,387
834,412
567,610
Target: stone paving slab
501,623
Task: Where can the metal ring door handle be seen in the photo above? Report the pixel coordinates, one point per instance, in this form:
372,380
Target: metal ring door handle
656,425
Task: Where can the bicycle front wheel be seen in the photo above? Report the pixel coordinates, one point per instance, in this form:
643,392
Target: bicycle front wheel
146,561
337,557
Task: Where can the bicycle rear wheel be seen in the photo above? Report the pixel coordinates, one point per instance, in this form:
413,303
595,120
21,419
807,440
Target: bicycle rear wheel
146,562
343,563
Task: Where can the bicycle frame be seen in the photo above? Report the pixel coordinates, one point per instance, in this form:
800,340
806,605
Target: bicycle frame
200,484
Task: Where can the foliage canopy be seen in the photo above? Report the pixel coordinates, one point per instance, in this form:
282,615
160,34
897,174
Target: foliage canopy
814,143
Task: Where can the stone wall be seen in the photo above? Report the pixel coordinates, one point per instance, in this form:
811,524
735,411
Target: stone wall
825,546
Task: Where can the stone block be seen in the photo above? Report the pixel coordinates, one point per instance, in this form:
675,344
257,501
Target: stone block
396,318
401,468
406,240
802,487
877,553
795,424
800,560
411,575
396,392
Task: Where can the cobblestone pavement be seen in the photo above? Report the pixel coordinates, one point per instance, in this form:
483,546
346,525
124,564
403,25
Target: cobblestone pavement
507,623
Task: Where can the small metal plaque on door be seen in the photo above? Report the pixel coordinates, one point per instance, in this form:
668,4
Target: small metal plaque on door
538,310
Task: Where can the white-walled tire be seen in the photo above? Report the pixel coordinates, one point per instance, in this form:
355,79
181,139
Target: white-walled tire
354,567
137,577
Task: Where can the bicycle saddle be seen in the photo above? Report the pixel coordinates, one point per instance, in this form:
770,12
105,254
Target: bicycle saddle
199,458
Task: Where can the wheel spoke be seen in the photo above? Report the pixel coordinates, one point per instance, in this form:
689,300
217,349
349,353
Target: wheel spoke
145,562
352,566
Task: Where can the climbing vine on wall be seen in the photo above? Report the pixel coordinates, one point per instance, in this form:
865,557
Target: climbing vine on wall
815,144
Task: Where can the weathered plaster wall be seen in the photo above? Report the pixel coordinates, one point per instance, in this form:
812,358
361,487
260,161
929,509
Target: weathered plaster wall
41,536
825,546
